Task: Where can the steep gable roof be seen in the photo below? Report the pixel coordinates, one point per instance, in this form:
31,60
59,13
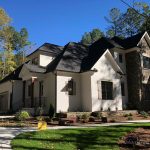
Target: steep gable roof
129,42
13,75
70,59
96,50
35,68
52,49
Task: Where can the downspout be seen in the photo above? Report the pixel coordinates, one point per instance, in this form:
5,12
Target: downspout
11,98
55,92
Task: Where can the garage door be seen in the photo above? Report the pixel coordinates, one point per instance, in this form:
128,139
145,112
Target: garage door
4,102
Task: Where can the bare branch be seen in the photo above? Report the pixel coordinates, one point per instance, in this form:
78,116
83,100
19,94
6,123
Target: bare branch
145,16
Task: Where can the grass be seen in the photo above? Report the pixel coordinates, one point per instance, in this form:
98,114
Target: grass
98,138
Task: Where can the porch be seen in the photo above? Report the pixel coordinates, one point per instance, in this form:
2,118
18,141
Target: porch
35,102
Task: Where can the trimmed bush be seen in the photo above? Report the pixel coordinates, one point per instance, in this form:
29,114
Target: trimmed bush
91,119
85,118
127,115
130,118
112,120
39,118
144,114
51,111
22,116
130,114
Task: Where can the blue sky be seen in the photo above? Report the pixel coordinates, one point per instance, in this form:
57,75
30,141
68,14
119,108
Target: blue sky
59,21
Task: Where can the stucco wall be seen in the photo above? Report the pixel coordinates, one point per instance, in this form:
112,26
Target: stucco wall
86,91
49,89
17,95
6,87
105,73
67,102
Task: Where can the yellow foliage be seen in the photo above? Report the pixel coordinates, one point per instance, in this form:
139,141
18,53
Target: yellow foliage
42,125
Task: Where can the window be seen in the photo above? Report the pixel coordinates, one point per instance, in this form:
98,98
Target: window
41,88
29,90
122,89
107,90
120,58
71,87
146,91
35,61
146,62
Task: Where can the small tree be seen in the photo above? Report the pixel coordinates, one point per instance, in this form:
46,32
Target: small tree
51,111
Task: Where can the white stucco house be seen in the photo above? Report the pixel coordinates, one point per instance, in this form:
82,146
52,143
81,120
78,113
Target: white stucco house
72,78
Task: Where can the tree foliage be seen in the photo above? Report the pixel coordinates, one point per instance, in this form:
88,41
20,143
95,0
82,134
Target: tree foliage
11,43
134,19
90,37
115,23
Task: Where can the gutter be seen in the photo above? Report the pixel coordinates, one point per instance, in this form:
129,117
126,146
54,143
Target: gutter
55,91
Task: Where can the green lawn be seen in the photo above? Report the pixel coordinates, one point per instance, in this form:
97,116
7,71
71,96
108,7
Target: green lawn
98,138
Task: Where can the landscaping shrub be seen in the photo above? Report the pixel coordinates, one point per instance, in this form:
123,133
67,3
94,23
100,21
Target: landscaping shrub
85,117
130,118
96,114
104,119
79,117
91,119
130,114
125,115
51,111
61,115
112,120
22,115
144,114
39,111
39,118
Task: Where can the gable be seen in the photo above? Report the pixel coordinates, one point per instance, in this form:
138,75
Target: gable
107,66
144,44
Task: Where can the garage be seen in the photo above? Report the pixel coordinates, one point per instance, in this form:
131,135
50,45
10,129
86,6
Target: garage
4,102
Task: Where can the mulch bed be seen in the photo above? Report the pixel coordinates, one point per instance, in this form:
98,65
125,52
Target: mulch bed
142,136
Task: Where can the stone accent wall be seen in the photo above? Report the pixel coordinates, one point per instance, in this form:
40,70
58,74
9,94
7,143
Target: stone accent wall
136,76
134,73
145,103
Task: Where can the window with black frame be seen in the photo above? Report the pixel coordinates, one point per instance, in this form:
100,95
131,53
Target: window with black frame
107,90
122,89
146,91
120,58
146,62
71,87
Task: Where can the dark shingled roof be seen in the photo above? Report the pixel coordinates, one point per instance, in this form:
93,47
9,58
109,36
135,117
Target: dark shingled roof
96,50
13,76
76,57
70,59
53,49
35,68
129,42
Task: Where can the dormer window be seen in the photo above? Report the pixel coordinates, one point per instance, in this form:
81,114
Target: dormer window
35,61
120,58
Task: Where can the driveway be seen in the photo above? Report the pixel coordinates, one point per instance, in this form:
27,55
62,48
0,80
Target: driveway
7,134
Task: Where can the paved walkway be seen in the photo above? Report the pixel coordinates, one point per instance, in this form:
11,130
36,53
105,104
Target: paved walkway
7,133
